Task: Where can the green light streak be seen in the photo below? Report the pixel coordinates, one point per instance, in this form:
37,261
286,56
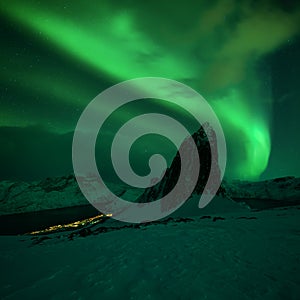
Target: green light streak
114,47
251,130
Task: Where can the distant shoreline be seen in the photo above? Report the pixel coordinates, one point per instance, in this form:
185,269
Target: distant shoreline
21,223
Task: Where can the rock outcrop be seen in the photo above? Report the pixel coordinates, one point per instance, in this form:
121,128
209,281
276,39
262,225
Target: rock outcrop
169,180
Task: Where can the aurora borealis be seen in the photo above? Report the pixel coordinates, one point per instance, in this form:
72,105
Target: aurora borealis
242,56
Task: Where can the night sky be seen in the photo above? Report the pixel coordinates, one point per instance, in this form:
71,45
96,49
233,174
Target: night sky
241,56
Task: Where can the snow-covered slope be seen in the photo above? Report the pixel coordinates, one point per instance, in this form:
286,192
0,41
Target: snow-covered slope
285,188
279,189
18,197
61,192
253,255
52,193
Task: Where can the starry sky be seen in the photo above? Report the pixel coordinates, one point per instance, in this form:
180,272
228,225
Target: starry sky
241,56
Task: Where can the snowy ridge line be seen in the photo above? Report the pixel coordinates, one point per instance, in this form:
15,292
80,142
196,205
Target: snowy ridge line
63,192
51,193
283,188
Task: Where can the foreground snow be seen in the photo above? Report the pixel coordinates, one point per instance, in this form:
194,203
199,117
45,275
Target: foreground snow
233,255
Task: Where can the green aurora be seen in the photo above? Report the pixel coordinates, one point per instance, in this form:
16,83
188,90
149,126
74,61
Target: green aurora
216,48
